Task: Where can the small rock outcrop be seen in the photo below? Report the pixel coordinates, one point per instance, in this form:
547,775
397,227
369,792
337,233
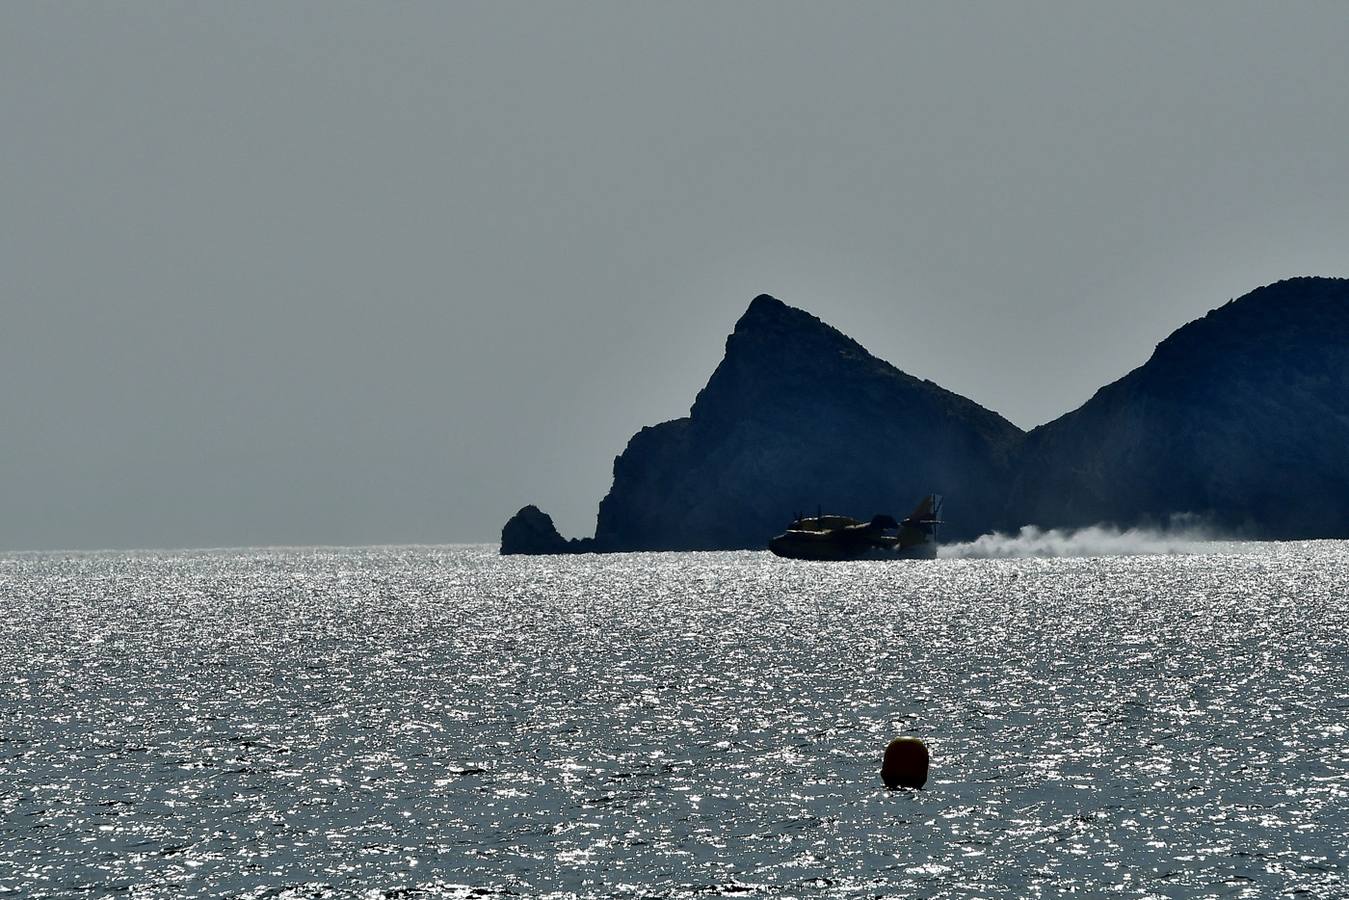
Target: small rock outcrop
532,531
1240,418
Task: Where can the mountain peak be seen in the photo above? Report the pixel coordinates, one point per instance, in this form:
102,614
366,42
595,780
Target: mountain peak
765,302
768,313
770,328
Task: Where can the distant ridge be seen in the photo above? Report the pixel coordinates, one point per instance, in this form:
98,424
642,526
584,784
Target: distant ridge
1240,418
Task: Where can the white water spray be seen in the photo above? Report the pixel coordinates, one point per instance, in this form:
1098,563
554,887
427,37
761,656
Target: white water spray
1094,540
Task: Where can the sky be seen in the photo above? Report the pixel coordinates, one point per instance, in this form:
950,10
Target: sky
346,273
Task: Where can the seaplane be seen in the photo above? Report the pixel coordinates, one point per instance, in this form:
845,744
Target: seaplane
822,537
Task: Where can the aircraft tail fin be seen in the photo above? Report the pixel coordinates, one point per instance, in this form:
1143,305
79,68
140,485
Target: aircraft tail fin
920,527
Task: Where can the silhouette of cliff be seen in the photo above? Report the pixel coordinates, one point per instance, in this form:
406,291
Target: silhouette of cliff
1241,417
798,416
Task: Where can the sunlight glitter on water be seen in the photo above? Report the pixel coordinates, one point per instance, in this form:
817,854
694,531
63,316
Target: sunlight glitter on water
322,723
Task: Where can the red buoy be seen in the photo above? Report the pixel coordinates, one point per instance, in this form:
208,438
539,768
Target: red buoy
905,763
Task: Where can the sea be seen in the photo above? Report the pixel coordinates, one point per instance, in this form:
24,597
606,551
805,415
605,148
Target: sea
1118,717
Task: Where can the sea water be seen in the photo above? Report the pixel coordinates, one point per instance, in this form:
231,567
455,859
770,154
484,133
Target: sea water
445,722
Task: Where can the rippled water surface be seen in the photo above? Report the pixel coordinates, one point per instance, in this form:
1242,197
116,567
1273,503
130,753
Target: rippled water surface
448,723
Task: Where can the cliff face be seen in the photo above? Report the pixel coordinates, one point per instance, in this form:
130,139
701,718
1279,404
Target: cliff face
796,416
1241,417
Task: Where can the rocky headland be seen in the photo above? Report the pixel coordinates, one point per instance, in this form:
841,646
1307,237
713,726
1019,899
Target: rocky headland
1240,418
799,416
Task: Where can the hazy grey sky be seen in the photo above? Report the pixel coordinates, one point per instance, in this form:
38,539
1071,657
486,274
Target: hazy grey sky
366,273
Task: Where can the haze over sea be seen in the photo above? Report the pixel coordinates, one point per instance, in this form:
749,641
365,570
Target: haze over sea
445,722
